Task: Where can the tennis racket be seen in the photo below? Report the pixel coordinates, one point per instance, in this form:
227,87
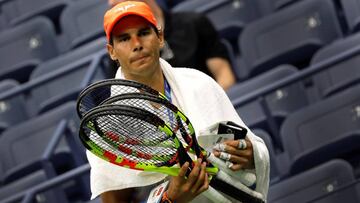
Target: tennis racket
168,112
141,140
99,92
94,94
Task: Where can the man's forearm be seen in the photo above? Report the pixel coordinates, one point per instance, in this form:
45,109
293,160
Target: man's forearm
221,69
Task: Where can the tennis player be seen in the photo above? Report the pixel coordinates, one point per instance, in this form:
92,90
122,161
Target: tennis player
134,41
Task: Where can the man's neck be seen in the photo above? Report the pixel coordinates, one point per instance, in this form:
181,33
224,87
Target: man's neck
155,81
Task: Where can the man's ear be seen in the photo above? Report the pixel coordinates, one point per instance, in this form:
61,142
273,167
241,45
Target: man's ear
110,50
161,38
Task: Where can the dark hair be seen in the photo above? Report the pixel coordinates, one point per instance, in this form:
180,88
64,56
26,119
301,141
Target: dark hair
111,42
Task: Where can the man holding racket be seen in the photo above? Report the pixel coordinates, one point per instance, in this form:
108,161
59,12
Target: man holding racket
134,41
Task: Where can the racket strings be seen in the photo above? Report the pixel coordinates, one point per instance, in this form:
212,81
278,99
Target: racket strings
95,96
136,139
122,89
128,128
177,121
179,127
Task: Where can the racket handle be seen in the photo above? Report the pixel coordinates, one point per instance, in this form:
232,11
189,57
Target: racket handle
183,158
235,189
247,178
215,196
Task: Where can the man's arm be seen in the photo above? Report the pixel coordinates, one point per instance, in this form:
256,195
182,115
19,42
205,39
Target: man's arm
222,72
217,59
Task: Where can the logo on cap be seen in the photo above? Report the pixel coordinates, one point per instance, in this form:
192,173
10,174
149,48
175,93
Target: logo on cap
125,8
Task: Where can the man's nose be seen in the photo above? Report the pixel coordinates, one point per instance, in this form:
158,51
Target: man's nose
136,42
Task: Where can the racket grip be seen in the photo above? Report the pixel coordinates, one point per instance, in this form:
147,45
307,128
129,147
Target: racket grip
247,178
235,189
215,196
183,157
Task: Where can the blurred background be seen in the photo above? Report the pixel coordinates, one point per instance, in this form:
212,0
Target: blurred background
297,69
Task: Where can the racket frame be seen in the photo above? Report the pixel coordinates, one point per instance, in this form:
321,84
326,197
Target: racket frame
137,113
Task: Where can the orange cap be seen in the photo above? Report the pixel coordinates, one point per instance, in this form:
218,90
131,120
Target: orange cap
113,15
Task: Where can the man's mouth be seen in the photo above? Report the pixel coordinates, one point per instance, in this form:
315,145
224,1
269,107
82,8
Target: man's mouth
138,58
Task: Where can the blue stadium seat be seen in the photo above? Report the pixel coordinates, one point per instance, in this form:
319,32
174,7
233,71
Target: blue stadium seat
322,184
231,33
243,11
279,4
281,103
24,148
192,5
289,36
25,46
66,87
97,200
165,5
341,75
56,187
232,13
352,14
82,21
27,182
17,11
324,130
241,70
13,110
3,22
229,17
232,58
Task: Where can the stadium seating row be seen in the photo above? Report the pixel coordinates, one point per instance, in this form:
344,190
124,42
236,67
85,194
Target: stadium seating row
296,58
290,34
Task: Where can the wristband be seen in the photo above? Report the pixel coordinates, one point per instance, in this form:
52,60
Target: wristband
165,198
156,194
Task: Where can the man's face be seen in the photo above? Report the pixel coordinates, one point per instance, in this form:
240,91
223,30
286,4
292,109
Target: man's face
136,46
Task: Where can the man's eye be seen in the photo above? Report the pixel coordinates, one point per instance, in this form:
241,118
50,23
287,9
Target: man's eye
124,39
144,33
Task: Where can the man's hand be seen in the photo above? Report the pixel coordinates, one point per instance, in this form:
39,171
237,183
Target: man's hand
182,189
238,154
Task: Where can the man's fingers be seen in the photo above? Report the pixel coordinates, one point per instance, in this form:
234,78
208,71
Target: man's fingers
205,184
238,152
194,173
239,160
236,167
183,170
234,161
225,156
233,144
233,151
200,180
220,147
